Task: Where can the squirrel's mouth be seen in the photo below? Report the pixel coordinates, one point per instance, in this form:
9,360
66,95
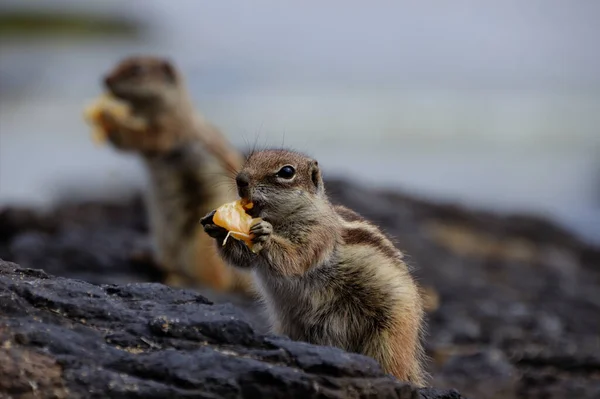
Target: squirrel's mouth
255,210
253,206
252,212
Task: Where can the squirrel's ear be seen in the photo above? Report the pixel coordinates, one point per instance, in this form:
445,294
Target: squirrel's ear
315,176
169,70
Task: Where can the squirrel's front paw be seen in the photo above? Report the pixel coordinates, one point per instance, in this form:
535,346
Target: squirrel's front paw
208,218
212,229
261,231
111,127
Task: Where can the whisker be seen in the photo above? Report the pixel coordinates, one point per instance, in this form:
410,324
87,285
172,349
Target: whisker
254,145
223,183
231,190
221,174
231,168
246,142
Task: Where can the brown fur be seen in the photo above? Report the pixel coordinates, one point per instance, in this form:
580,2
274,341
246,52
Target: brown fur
188,161
326,275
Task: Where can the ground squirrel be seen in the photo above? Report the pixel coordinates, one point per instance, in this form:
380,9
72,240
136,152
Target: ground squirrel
188,161
326,275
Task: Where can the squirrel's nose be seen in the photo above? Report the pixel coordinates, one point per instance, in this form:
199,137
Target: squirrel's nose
242,180
243,185
108,81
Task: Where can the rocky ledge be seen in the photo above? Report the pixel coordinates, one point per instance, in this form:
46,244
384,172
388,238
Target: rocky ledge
517,312
65,338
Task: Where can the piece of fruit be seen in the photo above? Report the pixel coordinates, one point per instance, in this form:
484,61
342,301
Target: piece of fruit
105,104
233,217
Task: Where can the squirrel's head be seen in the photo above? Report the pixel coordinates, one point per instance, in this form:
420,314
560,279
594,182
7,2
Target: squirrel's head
143,79
280,183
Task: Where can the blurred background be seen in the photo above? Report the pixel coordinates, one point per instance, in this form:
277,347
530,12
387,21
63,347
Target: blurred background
491,104
469,130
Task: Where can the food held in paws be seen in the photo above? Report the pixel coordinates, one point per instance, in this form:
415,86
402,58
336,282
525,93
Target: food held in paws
233,217
119,112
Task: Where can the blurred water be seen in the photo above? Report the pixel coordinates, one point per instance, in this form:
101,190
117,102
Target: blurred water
496,107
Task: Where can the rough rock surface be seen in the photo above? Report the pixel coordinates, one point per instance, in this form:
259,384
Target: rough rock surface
519,310
65,338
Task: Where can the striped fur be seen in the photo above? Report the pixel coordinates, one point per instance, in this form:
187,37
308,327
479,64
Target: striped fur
326,275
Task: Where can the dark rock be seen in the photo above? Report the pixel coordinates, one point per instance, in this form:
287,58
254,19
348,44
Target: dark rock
515,291
17,220
95,242
68,338
480,367
99,255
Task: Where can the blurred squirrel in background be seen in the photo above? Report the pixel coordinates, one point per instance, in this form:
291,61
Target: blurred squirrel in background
191,164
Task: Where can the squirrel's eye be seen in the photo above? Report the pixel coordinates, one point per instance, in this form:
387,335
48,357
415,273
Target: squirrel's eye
287,172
